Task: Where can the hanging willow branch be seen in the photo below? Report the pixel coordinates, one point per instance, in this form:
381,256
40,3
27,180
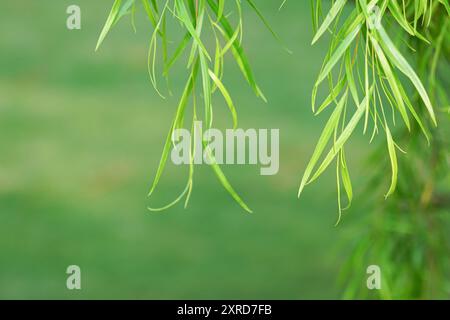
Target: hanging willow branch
408,236
364,66
198,19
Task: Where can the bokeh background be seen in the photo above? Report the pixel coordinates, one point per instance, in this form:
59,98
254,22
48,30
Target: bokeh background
81,134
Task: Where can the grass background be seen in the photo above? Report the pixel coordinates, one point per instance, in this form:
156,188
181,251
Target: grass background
80,138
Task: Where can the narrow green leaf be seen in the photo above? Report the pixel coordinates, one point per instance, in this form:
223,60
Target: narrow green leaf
226,96
394,165
109,22
327,132
179,114
338,53
346,180
334,11
345,135
392,80
224,181
400,62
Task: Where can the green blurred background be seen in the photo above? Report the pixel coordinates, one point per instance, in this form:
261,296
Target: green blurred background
81,134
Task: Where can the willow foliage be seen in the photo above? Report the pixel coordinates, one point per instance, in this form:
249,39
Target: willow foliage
368,75
199,20
408,236
366,68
